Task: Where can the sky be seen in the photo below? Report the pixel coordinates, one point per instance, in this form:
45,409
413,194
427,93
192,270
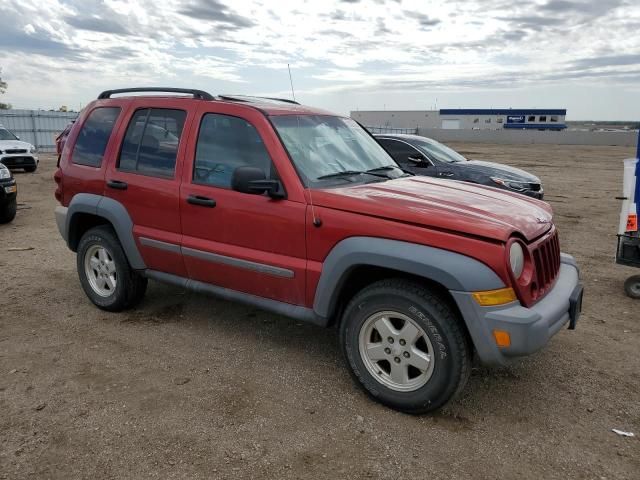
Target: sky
344,54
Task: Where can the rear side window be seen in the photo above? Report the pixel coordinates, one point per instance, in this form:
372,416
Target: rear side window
94,136
224,144
150,146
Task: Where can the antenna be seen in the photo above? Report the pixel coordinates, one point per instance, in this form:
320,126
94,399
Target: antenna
316,221
293,94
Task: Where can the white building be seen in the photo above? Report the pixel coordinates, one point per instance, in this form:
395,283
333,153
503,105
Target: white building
464,119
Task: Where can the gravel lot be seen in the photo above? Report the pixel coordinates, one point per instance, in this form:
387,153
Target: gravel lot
189,386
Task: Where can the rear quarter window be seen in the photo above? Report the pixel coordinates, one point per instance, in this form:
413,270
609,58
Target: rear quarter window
94,136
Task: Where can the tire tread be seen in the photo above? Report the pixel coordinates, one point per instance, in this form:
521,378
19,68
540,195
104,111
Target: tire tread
402,287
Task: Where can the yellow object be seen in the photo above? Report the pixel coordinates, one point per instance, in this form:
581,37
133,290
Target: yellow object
11,189
490,298
502,338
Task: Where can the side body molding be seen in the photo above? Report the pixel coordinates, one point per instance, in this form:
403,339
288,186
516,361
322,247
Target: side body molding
115,213
452,270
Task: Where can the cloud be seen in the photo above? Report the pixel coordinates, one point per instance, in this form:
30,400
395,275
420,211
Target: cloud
214,11
97,24
533,22
607,61
381,28
338,47
30,39
425,21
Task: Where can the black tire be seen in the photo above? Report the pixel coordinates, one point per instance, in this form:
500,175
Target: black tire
452,349
632,286
8,211
130,286
30,169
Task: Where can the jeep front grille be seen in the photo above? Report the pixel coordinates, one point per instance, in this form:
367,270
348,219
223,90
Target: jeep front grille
11,152
546,257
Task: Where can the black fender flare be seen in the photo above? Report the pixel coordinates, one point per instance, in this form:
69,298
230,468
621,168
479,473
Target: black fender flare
454,271
112,211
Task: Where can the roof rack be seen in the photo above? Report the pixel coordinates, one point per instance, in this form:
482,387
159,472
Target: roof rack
248,98
198,94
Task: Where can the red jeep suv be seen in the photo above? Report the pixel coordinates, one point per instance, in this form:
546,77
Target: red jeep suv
301,212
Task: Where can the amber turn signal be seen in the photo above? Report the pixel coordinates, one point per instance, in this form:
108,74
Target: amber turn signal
490,298
502,338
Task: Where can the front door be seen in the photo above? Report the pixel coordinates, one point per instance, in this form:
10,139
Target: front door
249,243
145,178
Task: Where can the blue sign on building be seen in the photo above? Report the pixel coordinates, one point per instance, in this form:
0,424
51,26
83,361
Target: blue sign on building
515,118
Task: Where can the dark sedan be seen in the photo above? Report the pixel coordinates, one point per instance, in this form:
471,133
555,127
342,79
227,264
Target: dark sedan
8,195
424,156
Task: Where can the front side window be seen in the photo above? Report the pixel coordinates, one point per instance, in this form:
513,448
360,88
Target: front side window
322,147
224,144
532,118
400,151
94,136
6,135
150,146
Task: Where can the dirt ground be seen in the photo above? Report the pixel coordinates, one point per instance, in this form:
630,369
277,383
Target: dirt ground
187,386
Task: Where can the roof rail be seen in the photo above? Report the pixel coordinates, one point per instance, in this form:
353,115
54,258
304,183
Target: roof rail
248,98
199,94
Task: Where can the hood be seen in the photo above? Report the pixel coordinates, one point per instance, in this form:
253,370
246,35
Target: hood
444,204
11,144
492,169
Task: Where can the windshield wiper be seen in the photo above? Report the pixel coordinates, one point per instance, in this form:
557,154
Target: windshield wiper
384,167
347,173
390,167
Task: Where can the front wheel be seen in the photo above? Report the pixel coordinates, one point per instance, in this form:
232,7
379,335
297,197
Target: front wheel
8,210
405,346
30,169
632,286
105,273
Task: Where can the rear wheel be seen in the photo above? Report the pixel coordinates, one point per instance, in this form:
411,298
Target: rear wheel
8,210
105,273
405,346
632,286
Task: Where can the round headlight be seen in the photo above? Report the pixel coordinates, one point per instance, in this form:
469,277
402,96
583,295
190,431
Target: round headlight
516,259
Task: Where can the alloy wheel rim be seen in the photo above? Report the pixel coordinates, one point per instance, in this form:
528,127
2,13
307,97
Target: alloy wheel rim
396,351
100,269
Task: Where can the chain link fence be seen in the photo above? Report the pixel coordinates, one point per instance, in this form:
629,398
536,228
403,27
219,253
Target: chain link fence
38,127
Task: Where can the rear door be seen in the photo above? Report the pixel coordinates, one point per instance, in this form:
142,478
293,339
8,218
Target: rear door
145,178
248,243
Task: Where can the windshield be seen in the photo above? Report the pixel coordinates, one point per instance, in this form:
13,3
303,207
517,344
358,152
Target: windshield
6,135
321,147
438,151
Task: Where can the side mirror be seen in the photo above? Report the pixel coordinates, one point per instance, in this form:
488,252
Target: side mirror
253,180
17,137
418,159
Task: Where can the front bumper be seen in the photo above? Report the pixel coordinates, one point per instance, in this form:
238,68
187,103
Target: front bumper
539,194
19,160
530,329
